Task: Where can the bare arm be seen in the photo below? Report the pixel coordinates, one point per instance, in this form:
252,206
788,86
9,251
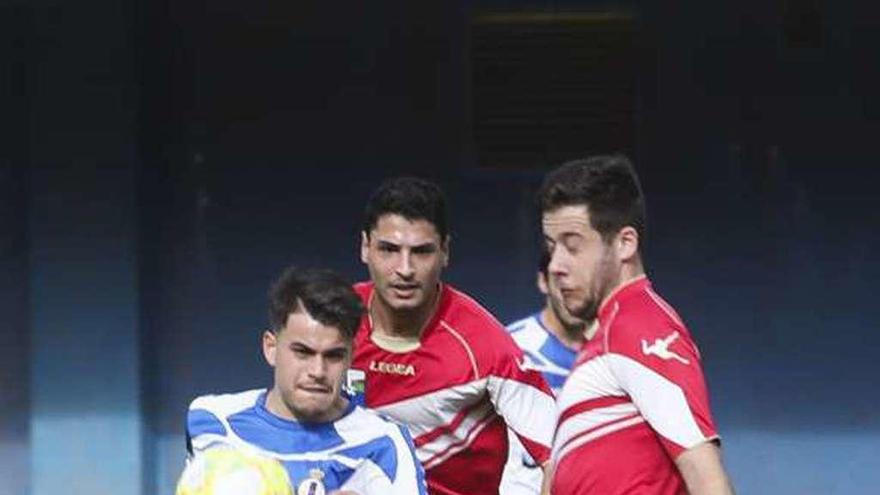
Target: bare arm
548,477
702,471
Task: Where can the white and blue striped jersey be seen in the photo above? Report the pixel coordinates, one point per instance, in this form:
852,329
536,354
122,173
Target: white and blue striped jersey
546,353
360,451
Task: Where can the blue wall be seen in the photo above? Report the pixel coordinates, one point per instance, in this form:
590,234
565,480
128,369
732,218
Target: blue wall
202,147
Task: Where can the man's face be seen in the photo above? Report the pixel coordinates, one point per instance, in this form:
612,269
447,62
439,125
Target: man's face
405,259
550,288
310,361
582,266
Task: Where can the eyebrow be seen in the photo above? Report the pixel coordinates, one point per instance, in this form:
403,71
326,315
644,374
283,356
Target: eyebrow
333,350
430,245
563,236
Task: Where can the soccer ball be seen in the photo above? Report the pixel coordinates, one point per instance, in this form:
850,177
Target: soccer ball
229,471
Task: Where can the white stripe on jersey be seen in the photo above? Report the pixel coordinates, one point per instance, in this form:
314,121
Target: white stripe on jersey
458,440
655,399
519,403
661,401
590,380
593,421
427,412
446,411
593,435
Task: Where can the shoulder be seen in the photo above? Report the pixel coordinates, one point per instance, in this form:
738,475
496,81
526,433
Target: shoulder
642,319
528,333
209,414
486,341
226,404
468,316
522,324
363,425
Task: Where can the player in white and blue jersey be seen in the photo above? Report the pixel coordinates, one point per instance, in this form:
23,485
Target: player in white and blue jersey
550,340
305,420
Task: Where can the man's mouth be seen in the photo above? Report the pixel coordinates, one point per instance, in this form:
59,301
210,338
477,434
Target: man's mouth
315,389
567,292
404,289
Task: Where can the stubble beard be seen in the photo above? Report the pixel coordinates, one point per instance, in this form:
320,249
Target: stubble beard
317,412
603,282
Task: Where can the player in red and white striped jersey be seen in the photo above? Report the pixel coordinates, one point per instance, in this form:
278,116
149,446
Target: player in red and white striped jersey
633,416
430,357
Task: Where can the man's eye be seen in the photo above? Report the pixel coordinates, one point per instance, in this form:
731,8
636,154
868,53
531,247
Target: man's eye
573,244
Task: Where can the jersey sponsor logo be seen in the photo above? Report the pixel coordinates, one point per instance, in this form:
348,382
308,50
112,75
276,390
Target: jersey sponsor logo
355,385
660,348
392,368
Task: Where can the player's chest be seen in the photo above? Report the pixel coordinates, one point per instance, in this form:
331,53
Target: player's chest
316,477
438,364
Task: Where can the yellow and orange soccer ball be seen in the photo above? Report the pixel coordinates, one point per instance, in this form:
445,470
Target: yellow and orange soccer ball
229,471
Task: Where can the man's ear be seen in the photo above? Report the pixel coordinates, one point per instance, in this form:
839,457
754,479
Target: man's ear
270,347
365,246
626,243
445,248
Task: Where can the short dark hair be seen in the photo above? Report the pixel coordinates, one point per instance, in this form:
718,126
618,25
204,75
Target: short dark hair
410,197
606,184
324,294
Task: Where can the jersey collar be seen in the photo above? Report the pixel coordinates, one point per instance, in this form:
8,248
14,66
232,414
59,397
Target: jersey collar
622,292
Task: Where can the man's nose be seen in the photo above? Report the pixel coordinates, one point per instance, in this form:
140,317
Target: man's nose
317,367
557,266
405,267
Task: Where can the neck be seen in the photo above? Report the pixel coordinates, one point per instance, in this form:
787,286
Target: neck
628,273
408,324
571,337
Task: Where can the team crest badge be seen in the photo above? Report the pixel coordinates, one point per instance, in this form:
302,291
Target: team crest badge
356,385
313,485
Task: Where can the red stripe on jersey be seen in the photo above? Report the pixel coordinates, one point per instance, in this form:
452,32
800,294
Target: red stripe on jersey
475,470
444,429
598,427
532,446
630,461
469,437
590,404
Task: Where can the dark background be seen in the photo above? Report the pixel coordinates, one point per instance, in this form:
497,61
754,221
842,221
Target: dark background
164,160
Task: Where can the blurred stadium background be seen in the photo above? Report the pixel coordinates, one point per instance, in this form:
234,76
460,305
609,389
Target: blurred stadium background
164,160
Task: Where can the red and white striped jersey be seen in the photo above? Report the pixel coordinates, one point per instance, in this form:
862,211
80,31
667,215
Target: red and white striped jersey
634,401
457,390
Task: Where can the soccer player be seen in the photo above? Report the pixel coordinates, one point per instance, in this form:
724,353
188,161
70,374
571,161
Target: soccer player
633,416
550,340
306,421
432,358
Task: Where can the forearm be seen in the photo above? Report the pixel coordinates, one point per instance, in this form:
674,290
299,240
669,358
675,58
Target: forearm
703,471
548,477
